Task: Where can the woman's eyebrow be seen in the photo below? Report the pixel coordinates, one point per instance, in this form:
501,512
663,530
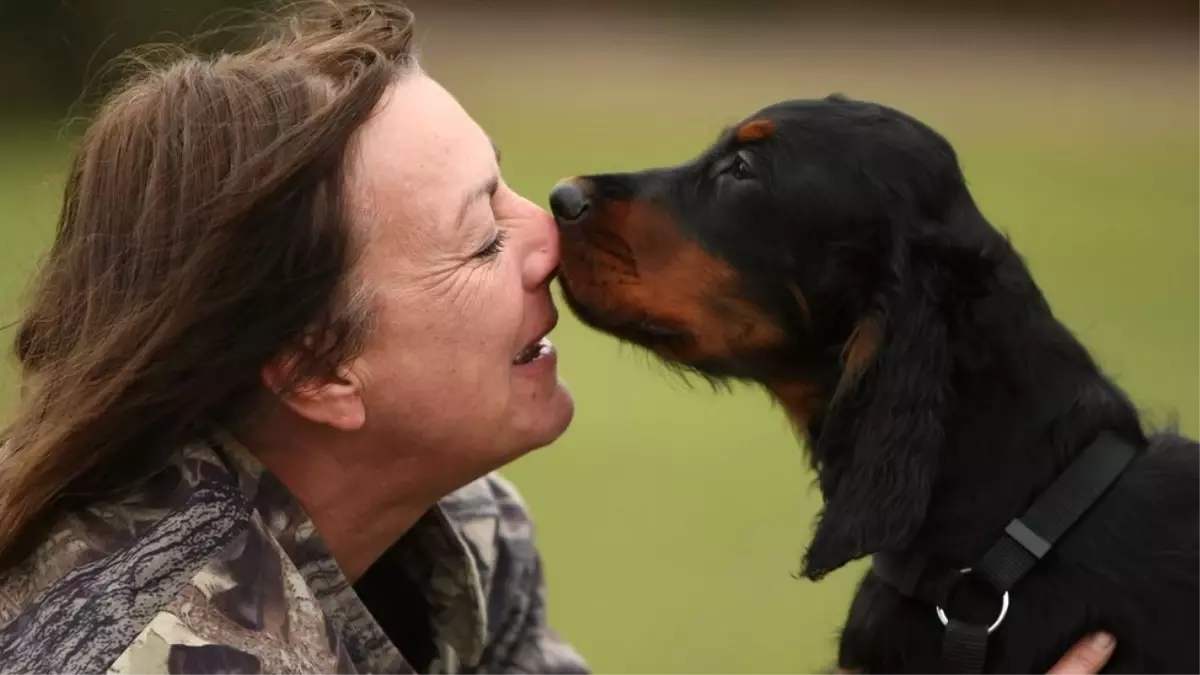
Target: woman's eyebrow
485,189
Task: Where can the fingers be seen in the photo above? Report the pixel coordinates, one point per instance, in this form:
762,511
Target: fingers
1088,656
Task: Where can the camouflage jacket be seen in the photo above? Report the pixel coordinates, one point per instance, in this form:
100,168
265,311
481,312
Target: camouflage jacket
214,567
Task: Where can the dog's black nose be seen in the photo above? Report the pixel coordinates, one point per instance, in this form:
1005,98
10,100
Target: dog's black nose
568,202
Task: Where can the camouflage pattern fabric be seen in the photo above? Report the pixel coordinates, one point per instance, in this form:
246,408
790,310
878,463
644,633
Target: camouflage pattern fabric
213,567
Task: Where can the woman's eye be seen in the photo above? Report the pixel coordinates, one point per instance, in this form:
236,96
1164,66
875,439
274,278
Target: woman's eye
493,247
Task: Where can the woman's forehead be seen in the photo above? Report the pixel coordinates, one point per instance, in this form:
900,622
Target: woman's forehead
418,153
419,127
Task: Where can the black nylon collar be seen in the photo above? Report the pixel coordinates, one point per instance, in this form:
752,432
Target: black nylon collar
1026,540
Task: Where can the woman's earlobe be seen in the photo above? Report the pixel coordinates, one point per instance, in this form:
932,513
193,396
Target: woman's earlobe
335,401
344,405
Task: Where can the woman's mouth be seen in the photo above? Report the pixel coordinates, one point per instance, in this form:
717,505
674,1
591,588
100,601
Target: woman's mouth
533,352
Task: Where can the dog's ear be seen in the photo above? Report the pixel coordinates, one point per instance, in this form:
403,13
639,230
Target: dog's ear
881,438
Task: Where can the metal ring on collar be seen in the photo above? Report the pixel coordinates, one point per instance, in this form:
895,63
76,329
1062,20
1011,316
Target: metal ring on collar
999,619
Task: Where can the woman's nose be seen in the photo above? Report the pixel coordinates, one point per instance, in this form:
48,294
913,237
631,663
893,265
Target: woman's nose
544,255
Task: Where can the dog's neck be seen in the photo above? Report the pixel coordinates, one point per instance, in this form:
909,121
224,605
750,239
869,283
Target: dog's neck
1015,426
1029,399
1026,399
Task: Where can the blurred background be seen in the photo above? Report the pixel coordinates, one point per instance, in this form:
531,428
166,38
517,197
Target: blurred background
673,518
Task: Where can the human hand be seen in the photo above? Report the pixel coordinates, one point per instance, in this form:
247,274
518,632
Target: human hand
1087,656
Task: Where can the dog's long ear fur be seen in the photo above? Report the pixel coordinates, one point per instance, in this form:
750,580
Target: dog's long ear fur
878,448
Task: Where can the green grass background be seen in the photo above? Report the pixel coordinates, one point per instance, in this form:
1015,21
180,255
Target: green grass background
672,518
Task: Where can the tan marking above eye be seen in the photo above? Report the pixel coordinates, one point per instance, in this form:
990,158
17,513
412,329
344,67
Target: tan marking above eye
755,130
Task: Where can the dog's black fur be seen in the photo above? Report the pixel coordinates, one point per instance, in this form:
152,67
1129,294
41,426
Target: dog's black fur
830,250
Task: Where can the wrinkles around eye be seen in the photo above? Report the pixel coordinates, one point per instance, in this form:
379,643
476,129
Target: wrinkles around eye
454,284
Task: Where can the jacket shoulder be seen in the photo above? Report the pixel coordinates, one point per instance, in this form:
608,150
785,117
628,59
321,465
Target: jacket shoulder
88,616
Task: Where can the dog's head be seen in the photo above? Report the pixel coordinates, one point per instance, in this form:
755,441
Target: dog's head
808,249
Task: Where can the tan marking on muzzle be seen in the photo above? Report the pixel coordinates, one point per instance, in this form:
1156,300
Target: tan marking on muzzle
669,279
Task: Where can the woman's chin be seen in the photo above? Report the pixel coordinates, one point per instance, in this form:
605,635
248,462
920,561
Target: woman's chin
544,419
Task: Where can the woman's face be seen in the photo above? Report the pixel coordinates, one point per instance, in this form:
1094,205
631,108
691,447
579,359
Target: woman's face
459,267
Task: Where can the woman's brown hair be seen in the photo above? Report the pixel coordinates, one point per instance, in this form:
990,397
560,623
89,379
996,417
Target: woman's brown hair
202,234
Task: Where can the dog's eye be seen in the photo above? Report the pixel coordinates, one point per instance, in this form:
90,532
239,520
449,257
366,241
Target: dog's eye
738,167
741,169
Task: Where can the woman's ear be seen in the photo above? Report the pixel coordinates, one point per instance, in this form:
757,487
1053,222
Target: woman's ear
877,453
334,399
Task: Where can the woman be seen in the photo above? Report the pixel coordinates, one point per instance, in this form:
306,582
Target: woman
292,322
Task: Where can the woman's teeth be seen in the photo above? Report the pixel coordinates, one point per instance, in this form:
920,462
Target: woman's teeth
532,352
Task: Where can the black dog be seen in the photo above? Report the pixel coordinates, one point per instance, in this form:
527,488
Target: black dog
830,251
